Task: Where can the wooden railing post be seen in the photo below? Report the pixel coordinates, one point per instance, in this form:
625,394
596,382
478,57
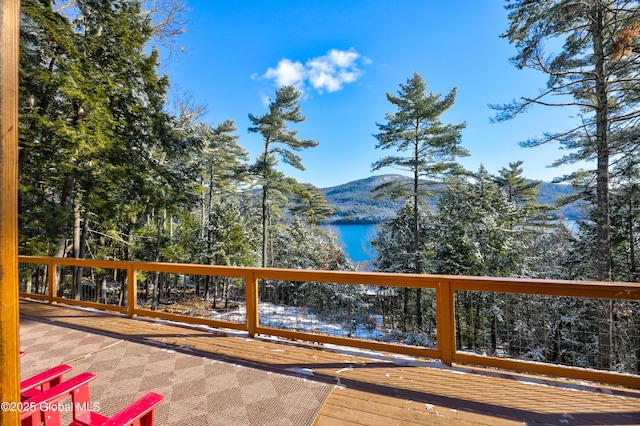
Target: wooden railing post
251,283
445,324
132,290
9,307
52,278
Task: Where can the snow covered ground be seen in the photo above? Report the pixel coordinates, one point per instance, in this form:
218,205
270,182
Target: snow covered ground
300,319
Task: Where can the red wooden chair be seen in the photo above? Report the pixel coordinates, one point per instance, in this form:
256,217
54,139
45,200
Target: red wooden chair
42,381
44,407
140,413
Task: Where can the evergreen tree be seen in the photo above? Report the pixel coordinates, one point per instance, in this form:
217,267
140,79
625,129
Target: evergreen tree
310,203
300,245
625,217
476,230
516,186
166,17
48,45
219,161
95,124
430,149
551,254
279,142
625,197
394,240
524,194
594,71
395,252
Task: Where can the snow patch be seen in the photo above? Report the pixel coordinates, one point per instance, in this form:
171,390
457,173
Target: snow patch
305,371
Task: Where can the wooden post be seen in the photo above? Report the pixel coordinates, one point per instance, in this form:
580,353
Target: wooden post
251,303
9,319
132,290
52,276
444,324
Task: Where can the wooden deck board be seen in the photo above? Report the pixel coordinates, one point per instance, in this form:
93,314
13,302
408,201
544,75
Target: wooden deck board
378,388
385,410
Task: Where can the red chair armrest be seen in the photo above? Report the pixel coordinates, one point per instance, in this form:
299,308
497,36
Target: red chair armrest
44,380
55,394
139,412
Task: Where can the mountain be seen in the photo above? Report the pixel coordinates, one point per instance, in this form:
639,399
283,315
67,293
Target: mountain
354,202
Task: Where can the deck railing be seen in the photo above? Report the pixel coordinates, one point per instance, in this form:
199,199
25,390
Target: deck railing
573,329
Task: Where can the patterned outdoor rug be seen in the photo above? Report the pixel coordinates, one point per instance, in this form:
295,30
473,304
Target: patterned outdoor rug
197,390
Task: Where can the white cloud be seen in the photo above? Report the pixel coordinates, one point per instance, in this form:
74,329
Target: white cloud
287,73
329,72
342,58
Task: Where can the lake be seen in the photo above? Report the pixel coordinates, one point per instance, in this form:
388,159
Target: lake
355,240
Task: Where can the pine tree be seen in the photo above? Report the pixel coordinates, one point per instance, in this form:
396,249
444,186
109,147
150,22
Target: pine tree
430,149
310,203
395,252
594,71
219,160
48,44
524,194
476,230
279,142
516,186
625,215
95,124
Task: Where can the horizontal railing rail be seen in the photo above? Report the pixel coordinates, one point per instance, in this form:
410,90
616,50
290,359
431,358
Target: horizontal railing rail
125,283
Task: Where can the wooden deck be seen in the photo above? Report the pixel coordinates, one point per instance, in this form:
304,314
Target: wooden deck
375,388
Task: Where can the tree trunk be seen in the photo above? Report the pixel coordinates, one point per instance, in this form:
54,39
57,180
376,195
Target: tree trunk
603,221
214,292
207,284
633,275
265,220
203,213
405,312
28,283
82,251
77,270
225,291
494,335
416,228
156,282
129,255
458,325
66,202
102,292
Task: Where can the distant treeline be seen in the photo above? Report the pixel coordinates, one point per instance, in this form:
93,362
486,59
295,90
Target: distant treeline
354,202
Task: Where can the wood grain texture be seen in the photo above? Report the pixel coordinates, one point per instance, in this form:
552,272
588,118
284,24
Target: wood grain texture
376,388
9,67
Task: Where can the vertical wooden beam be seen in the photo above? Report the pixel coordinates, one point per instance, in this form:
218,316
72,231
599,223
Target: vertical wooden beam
9,337
132,289
52,276
251,303
445,321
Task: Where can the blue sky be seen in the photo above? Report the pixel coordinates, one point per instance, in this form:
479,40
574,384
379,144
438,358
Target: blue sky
345,56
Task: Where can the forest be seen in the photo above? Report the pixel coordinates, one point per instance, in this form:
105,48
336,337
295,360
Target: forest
109,170
354,202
